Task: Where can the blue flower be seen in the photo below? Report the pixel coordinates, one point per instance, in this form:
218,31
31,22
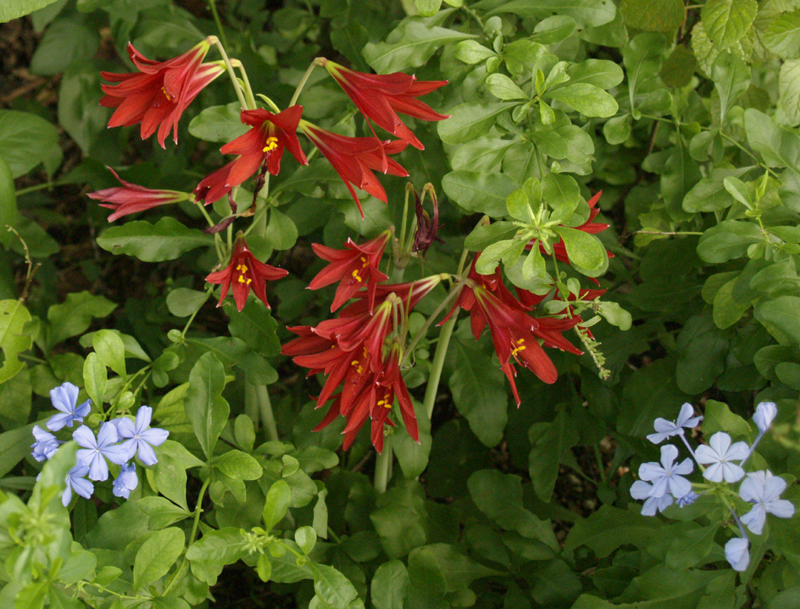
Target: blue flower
96,451
126,481
688,499
718,455
644,490
666,429
45,446
65,399
667,477
76,481
140,436
763,489
737,553
764,415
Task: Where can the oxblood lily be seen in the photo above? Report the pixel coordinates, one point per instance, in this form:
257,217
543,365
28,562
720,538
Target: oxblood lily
355,158
244,273
131,198
354,268
158,94
264,143
381,96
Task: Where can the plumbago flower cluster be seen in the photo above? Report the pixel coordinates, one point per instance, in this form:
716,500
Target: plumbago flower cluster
118,441
721,462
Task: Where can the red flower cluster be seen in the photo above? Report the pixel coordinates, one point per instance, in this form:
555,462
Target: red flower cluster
361,359
158,94
243,273
514,331
264,143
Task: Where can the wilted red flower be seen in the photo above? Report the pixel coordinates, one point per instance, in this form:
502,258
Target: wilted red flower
381,96
426,228
158,94
355,267
355,158
244,273
131,198
264,143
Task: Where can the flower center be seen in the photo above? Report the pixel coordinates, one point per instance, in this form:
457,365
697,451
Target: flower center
356,274
271,144
387,400
242,268
519,346
167,95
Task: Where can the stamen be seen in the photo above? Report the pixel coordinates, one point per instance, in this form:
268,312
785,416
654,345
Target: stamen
271,144
357,276
519,346
167,95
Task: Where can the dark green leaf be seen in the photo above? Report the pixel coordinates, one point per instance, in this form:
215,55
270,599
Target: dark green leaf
479,192
653,15
25,139
218,123
205,407
74,315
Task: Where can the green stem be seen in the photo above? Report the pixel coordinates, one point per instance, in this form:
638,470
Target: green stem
37,187
251,404
600,466
334,536
212,4
267,416
424,329
221,256
383,466
237,87
197,511
303,81
435,375
248,90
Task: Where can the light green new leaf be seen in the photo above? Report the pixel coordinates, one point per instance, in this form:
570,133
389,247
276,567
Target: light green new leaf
278,498
780,148
479,192
167,239
727,21
14,9
503,88
95,378
471,120
428,8
183,302
731,77
205,407
653,15
583,249
598,72
587,99
110,349
472,52
389,587
238,465
789,87
13,317
218,123
333,588
157,555
783,35
590,13
409,45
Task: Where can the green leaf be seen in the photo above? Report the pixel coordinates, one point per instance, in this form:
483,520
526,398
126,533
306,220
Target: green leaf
281,230
718,417
411,455
156,556
110,349
653,15
484,152
679,67
13,317
79,109
218,123
205,407
14,446
458,570
400,519
96,378
479,192
9,215
584,250
562,193
479,392
503,88
278,498
74,315
66,40
471,120
389,586
731,77
409,45
587,99
591,13
333,588
238,465
25,139
427,585
483,236
183,302
727,21
779,148
789,87
14,9
508,251
618,129
255,326
472,52
428,8
161,512
551,443
727,311
703,348
728,240
306,539
783,35
167,239
782,313
598,72
609,528
710,194
215,550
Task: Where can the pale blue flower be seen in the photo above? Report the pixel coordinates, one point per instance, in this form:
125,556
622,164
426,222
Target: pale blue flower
719,456
667,477
688,499
666,429
126,482
65,399
763,489
737,553
140,436
77,481
46,444
644,490
764,415
96,450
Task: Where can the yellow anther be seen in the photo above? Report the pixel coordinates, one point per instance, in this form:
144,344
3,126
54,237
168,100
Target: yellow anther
241,279
167,95
357,276
364,260
520,346
271,144
242,268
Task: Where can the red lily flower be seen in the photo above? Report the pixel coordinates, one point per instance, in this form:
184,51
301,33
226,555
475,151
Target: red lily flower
381,96
354,268
131,198
245,272
157,96
264,143
355,158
